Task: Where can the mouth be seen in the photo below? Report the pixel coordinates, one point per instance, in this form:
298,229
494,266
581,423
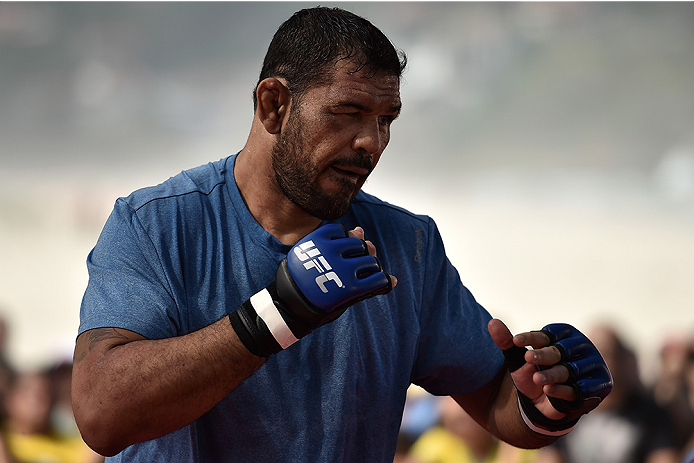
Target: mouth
353,173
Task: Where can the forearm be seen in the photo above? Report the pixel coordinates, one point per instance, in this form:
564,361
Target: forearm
496,408
506,419
141,389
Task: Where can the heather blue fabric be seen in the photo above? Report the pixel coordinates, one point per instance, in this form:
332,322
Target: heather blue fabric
179,256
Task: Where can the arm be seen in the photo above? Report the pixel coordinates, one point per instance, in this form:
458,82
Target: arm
561,379
495,406
127,389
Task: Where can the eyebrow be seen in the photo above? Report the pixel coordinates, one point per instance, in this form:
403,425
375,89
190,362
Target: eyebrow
394,109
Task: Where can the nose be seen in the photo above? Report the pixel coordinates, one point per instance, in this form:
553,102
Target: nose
369,140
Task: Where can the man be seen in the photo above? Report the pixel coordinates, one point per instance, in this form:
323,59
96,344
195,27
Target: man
230,317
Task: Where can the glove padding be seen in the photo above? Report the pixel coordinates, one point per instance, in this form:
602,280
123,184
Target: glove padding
330,271
323,274
589,376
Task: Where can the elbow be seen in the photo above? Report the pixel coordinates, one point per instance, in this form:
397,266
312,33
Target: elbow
98,433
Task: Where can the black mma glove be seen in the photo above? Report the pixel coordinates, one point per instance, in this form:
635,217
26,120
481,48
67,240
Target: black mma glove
589,376
323,274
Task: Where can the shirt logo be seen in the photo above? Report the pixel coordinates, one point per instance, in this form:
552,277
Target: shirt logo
311,256
420,245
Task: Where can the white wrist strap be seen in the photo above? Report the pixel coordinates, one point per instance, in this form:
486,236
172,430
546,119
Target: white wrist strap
266,310
539,430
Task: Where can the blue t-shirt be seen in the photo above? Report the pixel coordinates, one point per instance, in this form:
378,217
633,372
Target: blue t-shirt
179,256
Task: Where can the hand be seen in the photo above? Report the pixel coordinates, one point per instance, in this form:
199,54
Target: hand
332,269
327,271
564,376
534,384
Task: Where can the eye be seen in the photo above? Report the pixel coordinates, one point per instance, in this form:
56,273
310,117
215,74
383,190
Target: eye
348,115
386,120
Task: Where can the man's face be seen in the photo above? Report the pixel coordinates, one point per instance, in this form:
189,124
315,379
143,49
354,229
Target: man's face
332,140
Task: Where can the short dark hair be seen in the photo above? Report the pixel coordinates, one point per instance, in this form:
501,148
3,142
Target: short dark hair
308,44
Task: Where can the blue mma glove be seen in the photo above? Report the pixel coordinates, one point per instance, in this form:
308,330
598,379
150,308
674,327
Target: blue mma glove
324,273
589,376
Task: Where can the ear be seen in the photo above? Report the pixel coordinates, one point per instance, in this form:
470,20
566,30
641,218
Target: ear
273,103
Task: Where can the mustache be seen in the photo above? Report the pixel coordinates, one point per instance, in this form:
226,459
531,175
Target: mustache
358,160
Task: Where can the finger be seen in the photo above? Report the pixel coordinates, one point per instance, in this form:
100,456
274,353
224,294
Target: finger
535,339
394,280
500,333
351,247
370,247
543,356
332,231
357,232
556,374
560,391
364,266
375,283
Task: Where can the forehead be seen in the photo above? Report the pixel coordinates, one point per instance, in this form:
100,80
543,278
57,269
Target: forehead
345,86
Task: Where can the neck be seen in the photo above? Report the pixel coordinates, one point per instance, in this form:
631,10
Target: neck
266,202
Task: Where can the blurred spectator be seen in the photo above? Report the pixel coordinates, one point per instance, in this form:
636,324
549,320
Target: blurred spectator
29,435
402,450
459,439
6,371
62,417
628,427
421,413
674,388
689,456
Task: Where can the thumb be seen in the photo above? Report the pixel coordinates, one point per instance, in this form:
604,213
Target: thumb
500,333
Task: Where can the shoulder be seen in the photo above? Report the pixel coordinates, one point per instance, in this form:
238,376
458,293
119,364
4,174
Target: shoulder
392,221
396,228
202,180
369,205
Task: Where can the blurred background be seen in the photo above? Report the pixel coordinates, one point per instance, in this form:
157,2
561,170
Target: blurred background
551,142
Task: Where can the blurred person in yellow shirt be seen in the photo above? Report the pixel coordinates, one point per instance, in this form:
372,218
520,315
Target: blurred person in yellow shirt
460,439
28,434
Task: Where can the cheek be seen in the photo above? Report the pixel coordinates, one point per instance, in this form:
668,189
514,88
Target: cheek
376,158
325,131
385,138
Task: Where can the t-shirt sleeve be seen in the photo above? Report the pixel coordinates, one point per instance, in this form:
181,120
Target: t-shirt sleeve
456,353
127,287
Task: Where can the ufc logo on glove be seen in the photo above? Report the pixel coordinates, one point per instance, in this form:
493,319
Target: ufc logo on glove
308,250
298,301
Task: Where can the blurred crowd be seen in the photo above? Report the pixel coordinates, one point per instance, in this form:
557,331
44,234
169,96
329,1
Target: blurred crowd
637,423
37,424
